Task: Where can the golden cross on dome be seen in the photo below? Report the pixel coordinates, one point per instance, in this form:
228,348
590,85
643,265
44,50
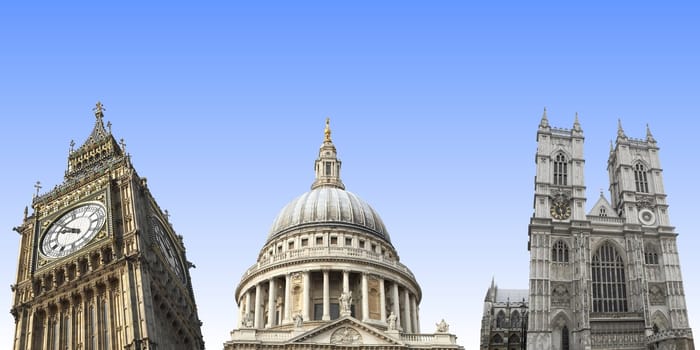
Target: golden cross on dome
327,131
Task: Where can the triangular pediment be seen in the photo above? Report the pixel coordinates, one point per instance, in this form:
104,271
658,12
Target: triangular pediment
602,208
346,331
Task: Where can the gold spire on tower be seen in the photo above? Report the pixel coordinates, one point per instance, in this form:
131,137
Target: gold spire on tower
327,131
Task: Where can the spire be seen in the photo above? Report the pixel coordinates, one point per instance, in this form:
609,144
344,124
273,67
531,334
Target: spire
99,147
650,137
620,131
577,125
98,132
544,123
327,165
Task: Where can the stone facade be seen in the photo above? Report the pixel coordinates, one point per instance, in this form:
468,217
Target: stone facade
609,278
100,267
504,323
329,277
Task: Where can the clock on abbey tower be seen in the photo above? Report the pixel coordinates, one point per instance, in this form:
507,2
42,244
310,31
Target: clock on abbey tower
100,266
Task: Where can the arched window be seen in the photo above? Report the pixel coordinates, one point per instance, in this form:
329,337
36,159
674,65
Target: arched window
497,339
651,256
560,252
560,169
565,338
501,319
640,178
513,339
515,319
602,212
609,287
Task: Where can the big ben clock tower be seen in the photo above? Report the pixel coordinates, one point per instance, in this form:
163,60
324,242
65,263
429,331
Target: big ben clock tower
100,267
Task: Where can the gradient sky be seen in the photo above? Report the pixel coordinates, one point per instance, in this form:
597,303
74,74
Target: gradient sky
434,108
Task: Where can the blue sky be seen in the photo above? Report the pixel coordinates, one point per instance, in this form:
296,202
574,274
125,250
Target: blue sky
434,108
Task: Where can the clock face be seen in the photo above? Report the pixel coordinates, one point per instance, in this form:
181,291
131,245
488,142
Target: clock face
560,208
73,230
647,217
167,248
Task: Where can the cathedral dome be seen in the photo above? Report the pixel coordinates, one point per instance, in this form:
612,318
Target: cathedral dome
329,205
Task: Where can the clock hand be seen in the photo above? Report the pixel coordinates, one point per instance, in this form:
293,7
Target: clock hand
70,230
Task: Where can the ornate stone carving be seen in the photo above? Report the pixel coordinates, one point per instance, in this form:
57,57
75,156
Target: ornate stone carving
391,321
345,302
346,335
442,327
645,202
560,294
657,295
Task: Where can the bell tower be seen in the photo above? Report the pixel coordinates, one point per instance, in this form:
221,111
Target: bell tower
100,266
559,214
636,182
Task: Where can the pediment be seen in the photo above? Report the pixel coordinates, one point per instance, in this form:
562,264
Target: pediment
346,331
603,204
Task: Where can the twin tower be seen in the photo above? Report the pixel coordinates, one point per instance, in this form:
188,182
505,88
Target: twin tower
608,278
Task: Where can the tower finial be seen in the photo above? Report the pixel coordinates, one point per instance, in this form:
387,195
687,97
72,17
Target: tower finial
544,123
620,131
37,185
577,125
650,137
99,110
327,131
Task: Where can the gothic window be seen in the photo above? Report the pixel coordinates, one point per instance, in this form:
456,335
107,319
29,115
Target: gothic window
514,339
609,288
565,338
560,252
497,339
515,319
501,320
640,178
560,169
651,257
602,212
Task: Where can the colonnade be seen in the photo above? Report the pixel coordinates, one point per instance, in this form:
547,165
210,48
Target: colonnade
313,295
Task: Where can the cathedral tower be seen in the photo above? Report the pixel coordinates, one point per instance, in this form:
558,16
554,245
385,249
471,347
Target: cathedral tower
100,266
609,279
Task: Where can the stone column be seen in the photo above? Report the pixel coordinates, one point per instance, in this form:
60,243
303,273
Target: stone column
382,300
365,298
287,298
414,314
326,297
271,307
397,308
258,306
305,295
407,311
346,281
248,306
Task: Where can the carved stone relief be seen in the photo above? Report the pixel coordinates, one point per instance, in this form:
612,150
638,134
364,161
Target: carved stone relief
561,295
657,295
346,335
